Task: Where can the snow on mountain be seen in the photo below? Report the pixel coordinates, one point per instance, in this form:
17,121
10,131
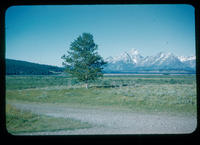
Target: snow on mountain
189,61
155,60
164,58
132,60
120,63
186,58
109,59
124,57
135,56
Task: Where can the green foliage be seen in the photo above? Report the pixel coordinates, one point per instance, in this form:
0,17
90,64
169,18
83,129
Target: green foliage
83,62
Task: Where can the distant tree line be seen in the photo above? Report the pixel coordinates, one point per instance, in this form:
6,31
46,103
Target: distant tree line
16,67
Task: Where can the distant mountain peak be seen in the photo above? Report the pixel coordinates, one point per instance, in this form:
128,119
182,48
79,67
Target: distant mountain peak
124,57
186,58
109,59
134,51
132,60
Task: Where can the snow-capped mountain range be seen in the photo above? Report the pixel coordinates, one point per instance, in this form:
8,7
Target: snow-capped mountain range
132,61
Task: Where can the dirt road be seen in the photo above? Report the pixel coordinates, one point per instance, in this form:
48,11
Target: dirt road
113,122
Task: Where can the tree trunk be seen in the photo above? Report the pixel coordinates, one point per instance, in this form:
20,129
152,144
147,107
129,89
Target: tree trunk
86,85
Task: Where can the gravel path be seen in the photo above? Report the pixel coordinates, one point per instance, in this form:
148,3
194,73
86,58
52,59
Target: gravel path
113,122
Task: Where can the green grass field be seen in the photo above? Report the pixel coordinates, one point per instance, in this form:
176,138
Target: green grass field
146,93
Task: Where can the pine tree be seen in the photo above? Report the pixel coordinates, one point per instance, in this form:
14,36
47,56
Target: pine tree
83,61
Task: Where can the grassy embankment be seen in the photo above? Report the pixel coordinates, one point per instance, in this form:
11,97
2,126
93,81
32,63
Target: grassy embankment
18,121
147,93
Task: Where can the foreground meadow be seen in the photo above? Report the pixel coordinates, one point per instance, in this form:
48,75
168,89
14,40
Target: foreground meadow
152,94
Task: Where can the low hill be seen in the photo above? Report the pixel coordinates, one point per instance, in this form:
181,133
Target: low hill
18,67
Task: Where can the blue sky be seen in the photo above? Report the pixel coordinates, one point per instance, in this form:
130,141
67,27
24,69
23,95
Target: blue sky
42,34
